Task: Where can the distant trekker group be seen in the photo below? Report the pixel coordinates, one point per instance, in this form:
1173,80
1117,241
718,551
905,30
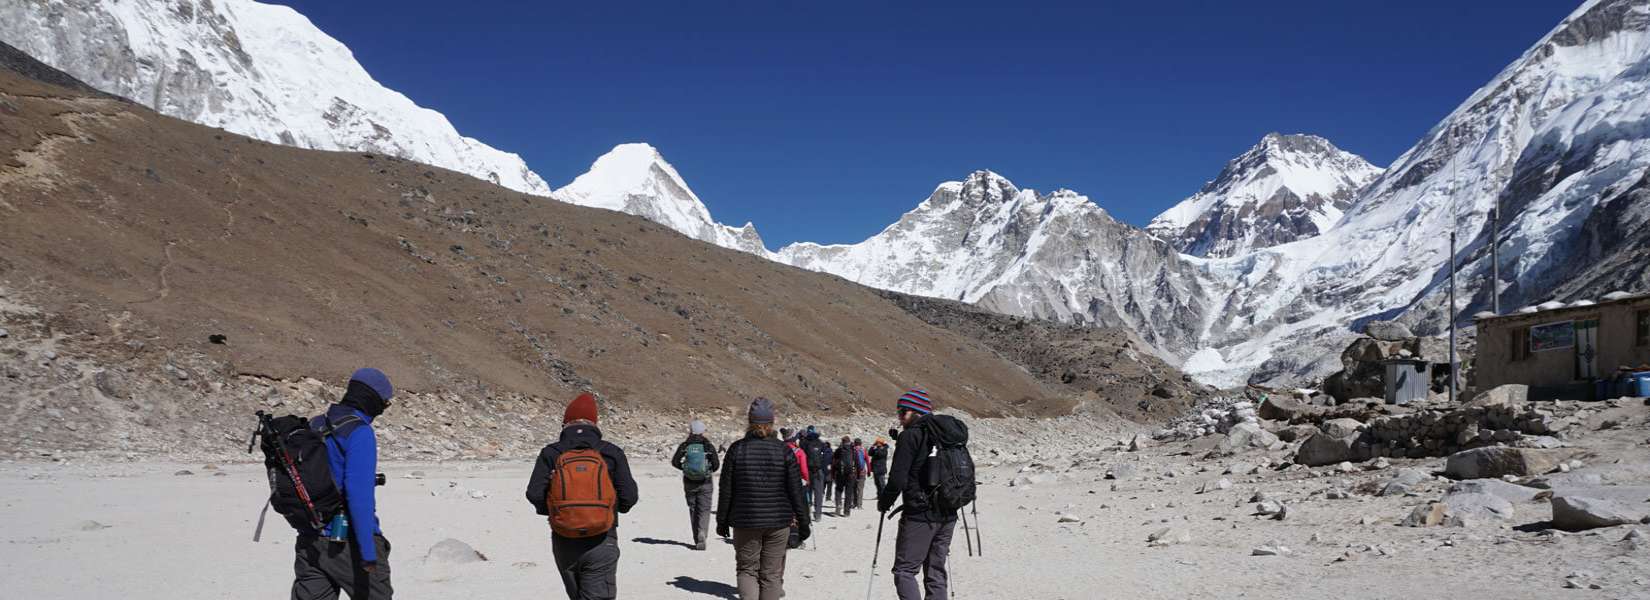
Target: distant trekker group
764,492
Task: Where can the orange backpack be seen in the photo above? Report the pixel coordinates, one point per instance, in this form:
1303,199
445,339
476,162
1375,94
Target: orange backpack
582,498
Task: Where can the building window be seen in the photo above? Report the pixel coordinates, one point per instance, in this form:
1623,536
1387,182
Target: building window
1520,344
1644,328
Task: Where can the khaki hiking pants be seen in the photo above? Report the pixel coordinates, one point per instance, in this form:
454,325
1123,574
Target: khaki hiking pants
759,555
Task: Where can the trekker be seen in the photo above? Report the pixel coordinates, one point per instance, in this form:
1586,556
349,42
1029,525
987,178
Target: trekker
582,483
760,501
819,462
879,464
863,462
801,462
843,464
924,539
696,459
360,565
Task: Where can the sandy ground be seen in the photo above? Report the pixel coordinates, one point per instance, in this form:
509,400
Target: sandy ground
161,535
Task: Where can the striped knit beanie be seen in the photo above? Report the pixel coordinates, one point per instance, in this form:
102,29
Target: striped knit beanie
916,400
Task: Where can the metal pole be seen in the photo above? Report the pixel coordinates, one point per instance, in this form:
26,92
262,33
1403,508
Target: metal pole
1495,258
1450,314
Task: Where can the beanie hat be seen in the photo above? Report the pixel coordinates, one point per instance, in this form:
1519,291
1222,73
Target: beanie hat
583,408
761,411
697,427
916,400
375,379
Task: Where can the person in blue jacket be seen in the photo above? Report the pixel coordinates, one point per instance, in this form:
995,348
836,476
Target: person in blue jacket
359,566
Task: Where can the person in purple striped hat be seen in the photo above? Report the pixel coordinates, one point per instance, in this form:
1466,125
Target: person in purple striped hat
924,539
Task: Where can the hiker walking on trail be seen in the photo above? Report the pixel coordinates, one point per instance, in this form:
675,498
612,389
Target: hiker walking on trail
350,552
582,483
819,462
760,501
793,442
863,462
844,463
879,464
935,481
696,459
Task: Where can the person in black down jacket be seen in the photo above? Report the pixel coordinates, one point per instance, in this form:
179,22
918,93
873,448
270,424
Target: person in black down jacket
589,566
760,499
924,539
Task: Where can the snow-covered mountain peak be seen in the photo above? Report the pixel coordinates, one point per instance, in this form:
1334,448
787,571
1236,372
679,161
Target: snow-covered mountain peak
1284,188
635,178
260,70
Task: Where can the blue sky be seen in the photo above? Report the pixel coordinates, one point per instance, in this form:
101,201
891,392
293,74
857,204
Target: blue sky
824,121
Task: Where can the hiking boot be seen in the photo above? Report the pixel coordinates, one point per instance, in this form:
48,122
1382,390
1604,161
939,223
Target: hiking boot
700,546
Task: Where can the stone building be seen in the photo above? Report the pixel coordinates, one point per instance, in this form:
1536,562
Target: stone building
1563,350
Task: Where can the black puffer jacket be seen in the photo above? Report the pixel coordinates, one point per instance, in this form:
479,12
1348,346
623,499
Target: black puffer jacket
909,476
761,486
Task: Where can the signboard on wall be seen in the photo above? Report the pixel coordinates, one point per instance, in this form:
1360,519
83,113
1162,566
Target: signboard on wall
1553,336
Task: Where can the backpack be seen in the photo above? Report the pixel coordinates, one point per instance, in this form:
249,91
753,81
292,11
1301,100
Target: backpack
821,459
696,466
949,476
301,486
581,498
845,465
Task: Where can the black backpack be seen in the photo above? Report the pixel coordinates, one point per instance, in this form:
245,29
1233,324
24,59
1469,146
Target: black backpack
845,466
301,487
820,462
949,474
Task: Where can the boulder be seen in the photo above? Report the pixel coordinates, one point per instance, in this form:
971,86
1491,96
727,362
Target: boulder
1270,549
1578,513
1169,536
1511,492
1246,436
453,552
1511,394
1497,461
1215,486
1388,331
1469,505
1433,514
1284,408
1324,449
1341,427
1296,433
1121,471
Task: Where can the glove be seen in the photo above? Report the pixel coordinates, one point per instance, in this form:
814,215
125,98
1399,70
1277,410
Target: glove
722,531
803,531
884,504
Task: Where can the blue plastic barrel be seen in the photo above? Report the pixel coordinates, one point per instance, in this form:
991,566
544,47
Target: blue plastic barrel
1641,384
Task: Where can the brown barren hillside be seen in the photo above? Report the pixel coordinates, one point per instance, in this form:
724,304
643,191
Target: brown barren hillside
313,263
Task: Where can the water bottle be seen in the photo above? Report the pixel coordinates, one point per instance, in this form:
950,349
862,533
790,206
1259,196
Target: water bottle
337,530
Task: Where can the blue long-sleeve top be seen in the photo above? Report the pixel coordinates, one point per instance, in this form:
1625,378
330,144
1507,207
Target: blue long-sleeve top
352,453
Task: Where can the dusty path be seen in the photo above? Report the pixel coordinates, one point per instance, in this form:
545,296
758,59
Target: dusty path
169,536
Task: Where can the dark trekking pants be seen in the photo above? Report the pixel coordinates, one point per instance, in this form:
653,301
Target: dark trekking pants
844,497
759,556
589,566
859,492
822,488
881,481
701,502
323,568
922,547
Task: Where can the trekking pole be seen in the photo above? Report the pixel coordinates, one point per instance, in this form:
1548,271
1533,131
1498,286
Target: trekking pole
870,585
977,539
968,539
